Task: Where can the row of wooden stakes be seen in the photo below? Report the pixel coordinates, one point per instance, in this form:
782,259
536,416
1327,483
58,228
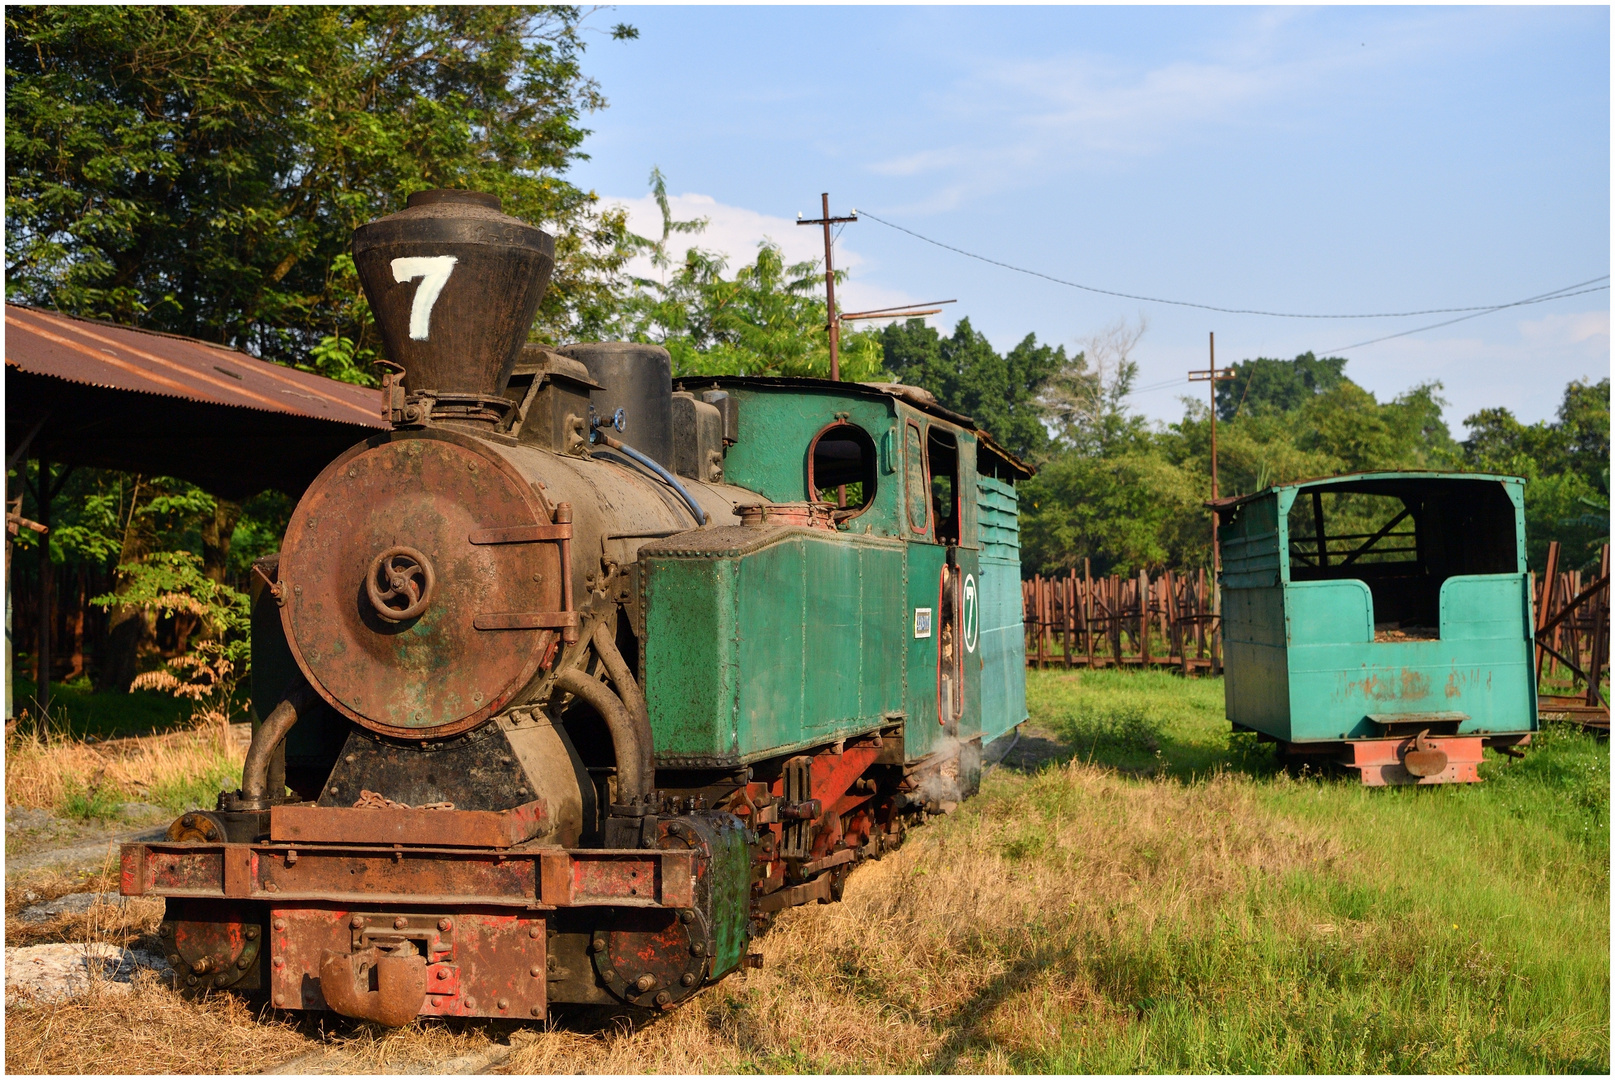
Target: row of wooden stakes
1572,638
1078,620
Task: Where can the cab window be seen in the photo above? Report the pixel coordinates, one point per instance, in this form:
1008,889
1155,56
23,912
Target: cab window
942,460
919,492
841,468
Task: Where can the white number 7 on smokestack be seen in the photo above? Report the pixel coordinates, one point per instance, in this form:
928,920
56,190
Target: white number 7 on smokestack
434,271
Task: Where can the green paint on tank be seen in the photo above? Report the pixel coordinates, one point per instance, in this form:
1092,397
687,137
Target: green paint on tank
762,640
777,428
1319,644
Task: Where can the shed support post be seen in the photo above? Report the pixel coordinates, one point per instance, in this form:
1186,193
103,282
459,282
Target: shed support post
43,494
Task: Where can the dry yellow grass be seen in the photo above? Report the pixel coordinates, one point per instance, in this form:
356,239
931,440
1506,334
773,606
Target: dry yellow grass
44,769
963,947
150,1030
131,922
969,942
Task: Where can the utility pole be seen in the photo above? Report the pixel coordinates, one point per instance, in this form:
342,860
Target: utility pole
1214,376
830,281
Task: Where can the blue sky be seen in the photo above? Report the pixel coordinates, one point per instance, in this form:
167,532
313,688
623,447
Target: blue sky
1314,160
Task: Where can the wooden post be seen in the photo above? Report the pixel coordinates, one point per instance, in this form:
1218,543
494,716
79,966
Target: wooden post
1113,622
1550,574
1199,615
44,492
1143,618
1043,620
1087,609
1068,590
1600,635
1174,635
1026,621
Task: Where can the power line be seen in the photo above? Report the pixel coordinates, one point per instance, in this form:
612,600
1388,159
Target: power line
1542,299
1154,387
1559,295
1480,308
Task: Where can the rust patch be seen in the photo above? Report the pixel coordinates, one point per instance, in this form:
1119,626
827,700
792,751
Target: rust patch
1415,684
414,826
455,962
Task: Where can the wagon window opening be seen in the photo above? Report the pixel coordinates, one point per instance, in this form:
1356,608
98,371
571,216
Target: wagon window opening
919,499
841,468
942,451
1402,539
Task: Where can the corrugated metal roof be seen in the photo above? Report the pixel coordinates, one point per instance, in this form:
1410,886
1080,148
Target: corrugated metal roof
122,358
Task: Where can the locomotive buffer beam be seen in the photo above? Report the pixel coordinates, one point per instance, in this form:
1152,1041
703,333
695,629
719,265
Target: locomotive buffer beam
532,878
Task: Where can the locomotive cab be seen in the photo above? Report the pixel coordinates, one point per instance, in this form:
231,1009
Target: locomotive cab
577,676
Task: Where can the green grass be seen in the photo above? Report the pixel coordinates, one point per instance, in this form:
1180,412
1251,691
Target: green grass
81,712
199,791
91,803
1460,928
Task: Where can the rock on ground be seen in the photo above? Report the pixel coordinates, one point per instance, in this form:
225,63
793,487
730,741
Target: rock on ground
48,973
71,904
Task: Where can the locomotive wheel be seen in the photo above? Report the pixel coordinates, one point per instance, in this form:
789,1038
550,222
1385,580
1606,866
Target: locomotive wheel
211,946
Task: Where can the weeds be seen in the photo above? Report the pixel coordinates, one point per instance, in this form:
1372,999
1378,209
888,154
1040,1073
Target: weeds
180,770
93,801
1216,916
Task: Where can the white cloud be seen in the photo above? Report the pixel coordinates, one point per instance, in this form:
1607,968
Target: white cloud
1569,328
735,233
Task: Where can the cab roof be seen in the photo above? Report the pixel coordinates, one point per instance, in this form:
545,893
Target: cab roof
914,396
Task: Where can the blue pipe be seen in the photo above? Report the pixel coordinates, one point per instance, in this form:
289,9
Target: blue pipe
695,507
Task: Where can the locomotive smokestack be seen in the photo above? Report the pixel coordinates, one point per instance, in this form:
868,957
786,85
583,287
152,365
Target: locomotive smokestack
454,284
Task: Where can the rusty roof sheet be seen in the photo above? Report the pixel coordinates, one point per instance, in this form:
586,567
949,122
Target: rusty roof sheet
123,358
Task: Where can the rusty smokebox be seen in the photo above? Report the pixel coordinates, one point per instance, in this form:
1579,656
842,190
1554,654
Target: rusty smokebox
454,283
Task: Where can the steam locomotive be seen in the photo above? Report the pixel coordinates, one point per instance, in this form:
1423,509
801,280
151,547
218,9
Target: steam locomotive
575,677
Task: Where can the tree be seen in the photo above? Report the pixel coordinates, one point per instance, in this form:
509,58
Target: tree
1085,401
967,375
1277,386
1127,496
1566,468
1125,509
769,319
200,170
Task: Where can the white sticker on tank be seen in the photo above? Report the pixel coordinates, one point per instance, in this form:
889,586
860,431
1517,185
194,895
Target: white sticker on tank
972,613
922,622
434,271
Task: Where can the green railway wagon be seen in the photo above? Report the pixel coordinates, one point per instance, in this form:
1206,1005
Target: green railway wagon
896,613
1381,621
